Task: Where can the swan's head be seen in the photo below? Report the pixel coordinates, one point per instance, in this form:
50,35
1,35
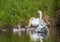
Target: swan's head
39,12
19,26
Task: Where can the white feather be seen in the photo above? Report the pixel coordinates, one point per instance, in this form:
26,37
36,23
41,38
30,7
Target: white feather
35,22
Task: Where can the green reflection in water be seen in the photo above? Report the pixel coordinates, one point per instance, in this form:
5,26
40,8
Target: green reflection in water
10,37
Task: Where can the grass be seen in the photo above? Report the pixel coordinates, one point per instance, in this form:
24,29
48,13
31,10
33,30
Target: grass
13,12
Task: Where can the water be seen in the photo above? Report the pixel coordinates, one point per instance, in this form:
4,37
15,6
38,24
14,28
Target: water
10,37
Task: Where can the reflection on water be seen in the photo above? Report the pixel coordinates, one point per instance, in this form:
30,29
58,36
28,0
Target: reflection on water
18,33
11,37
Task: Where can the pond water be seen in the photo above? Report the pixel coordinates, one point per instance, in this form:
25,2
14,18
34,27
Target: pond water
10,37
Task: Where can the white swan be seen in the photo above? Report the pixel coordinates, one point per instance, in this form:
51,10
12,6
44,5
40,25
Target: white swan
39,24
18,31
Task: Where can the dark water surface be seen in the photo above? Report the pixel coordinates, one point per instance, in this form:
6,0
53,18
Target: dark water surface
10,37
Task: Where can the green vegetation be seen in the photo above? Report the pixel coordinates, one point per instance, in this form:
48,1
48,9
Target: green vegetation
14,12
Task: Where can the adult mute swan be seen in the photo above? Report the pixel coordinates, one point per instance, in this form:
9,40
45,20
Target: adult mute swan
37,23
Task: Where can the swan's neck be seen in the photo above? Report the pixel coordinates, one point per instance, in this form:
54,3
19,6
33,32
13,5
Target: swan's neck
40,15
